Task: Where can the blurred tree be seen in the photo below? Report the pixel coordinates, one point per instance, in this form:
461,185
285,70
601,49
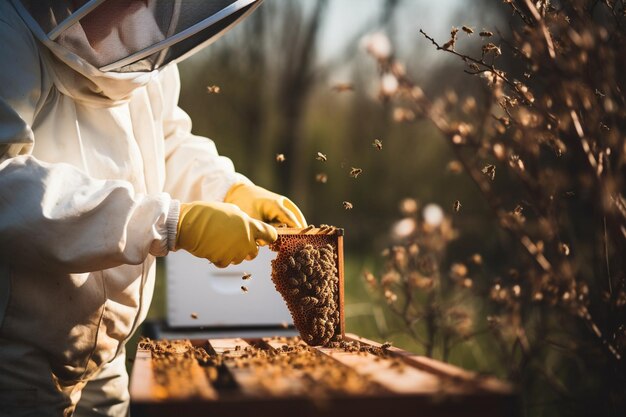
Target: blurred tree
297,76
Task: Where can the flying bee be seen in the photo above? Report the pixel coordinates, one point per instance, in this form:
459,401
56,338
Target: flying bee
194,315
321,157
348,205
490,171
280,157
457,206
486,34
378,144
355,172
213,89
490,47
246,276
244,289
467,30
343,87
321,178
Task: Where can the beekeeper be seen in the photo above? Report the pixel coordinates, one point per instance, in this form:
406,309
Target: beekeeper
100,174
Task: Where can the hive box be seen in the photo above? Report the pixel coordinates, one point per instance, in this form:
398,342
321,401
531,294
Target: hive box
214,295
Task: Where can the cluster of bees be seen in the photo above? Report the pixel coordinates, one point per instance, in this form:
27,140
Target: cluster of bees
306,277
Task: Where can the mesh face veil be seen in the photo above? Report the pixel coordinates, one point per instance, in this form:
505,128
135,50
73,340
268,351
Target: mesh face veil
133,35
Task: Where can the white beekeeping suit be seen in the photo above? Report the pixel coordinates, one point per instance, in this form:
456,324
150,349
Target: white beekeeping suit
95,156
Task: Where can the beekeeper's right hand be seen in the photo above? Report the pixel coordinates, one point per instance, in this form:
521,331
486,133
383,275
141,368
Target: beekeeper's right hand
221,232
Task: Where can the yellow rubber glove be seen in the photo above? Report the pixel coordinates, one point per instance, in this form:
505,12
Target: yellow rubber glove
265,205
221,233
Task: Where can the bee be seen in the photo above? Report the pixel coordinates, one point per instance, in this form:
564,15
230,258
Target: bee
213,89
348,205
237,347
564,249
467,30
321,178
280,157
457,206
486,34
194,315
490,171
244,289
518,211
293,291
490,47
378,144
321,157
355,172
343,87
292,262
246,276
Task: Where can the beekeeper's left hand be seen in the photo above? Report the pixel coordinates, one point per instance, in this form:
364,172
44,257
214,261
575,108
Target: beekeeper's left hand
265,205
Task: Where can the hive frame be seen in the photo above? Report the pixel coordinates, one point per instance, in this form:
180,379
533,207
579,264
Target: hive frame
337,234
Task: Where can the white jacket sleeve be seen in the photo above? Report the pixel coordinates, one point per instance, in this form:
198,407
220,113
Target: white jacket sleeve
194,169
53,216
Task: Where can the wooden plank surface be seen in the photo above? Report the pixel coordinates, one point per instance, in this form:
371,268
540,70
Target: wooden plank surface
405,384
142,383
247,380
155,380
392,375
442,369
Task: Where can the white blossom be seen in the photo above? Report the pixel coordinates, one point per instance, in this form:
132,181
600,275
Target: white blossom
377,44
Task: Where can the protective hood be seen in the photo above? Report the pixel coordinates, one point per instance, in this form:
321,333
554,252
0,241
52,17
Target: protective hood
131,35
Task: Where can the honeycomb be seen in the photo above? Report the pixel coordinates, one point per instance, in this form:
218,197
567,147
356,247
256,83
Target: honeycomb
305,274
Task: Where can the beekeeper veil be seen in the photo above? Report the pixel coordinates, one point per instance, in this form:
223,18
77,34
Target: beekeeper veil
133,35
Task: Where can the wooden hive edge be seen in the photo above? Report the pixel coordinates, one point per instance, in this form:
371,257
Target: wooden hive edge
310,231
486,384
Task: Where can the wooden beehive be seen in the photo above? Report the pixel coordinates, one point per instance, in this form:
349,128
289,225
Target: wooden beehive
313,293
285,377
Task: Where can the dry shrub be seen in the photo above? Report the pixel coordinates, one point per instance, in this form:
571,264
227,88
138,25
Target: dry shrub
546,147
